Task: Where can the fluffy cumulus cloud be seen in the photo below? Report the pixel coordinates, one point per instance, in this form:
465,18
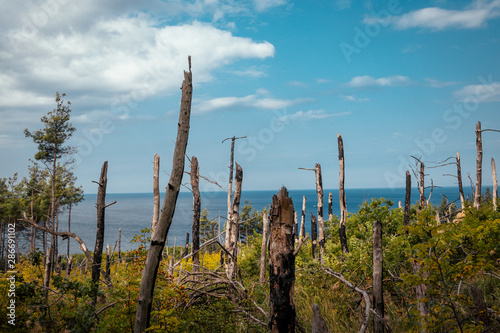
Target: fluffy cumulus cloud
112,52
366,81
262,5
435,18
485,92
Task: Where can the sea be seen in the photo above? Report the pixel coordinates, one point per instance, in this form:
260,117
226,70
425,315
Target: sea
133,211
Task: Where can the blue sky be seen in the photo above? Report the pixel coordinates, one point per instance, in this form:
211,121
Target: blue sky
395,78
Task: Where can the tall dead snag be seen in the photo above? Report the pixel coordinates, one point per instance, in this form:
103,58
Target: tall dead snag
342,199
234,224
378,291
302,232
156,193
263,249
330,205
420,292
479,166
460,187
195,186
172,191
495,183
406,219
47,273
99,239
321,223
314,234
282,264
422,194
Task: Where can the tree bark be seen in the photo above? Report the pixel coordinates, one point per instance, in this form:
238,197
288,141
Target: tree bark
108,261
420,293
481,308
69,228
263,248
321,223
314,234
422,183
69,265
295,227
406,219
229,194
186,246
156,194
330,206
47,273
99,239
158,240
495,183
282,264
479,166
234,224
378,291
342,198
460,187
302,232
319,324
195,185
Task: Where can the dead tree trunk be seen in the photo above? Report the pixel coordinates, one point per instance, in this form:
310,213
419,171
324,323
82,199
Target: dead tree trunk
99,239
420,292
186,246
47,273
58,265
479,166
495,183
158,240
407,200
195,186
321,223
314,235
119,245
302,232
295,227
378,291
234,225
156,193
263,249
108,261
421,190
229,194
69,228
330,206
342,199
69,265
282,264
460,187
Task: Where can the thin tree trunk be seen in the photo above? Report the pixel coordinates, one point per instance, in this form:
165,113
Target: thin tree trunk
282,264
321,223
330,206
421,293
314,234
303,219
229,194
119,245
158,240
195,185
99,239
479,166
406,219
460,187
378,290
48,271
295,227
58,265
234,225
69,228
156,193
342,198
495,183
33,230
263,248
108,261
422,183
69,265
186,246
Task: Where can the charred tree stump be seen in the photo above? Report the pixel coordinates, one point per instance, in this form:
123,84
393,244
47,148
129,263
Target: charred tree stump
406,219
378,291
195,185
282,264
314,235
342,198
460,187
156,193
263,249
302,232
321,223
234,225
495,183
172,191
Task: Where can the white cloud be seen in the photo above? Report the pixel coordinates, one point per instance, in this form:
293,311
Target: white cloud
311,114
263,5
473,16
259,100
250,72
299,84
438,84
353,98
489,92
369,81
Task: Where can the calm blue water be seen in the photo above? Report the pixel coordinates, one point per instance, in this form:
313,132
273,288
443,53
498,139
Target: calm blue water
133,211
